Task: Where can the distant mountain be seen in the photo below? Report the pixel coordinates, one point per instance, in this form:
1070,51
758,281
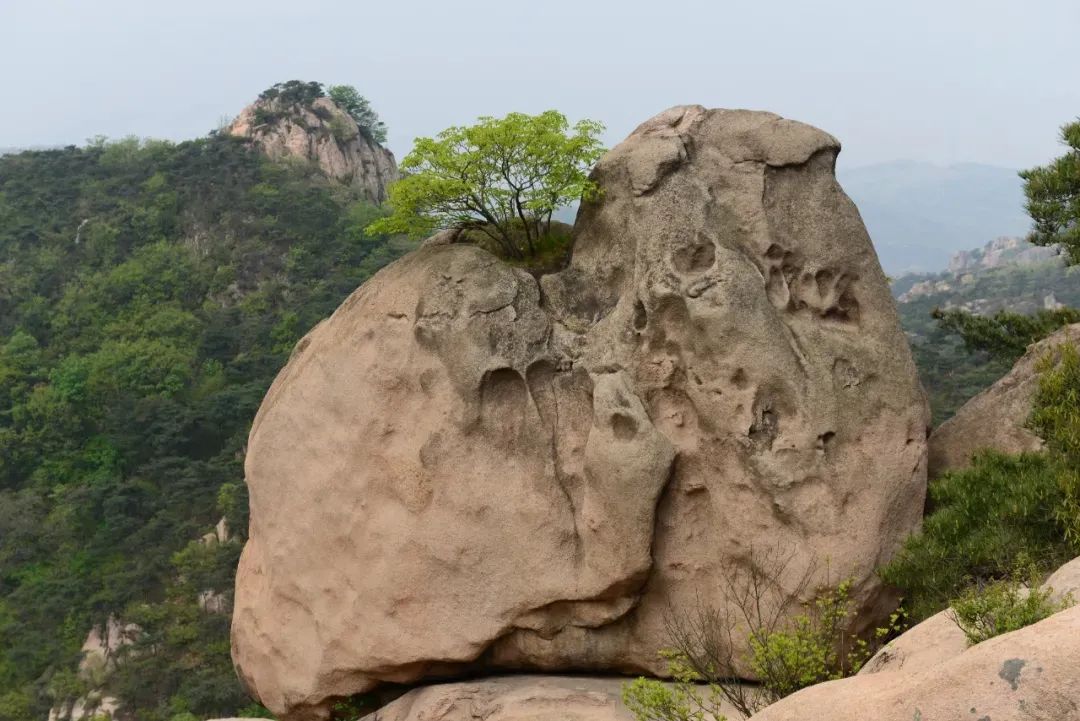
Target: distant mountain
919,214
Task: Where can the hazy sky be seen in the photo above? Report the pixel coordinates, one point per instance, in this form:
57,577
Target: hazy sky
941,80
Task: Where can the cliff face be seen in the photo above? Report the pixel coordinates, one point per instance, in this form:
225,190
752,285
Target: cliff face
1000,252
321,132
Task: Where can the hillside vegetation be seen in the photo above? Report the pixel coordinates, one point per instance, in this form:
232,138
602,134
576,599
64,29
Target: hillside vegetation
950,372
149,292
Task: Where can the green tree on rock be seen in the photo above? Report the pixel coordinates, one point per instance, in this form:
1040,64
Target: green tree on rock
1053,197
356,105
502,176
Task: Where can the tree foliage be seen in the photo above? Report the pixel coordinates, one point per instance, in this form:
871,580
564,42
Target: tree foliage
149,292
293,92
359,108
502,176
1053,197
1005,335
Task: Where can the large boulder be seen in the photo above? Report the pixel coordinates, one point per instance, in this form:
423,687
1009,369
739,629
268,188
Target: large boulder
1028,674
466,469
515,698
996,419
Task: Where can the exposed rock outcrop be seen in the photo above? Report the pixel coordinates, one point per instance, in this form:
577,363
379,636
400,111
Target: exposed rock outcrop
465,469
1027,674
99,659
514,698
996,419
939,638
320,132
1000,252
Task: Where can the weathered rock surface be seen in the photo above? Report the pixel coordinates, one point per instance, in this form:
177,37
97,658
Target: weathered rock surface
996,418
90,707
1064,583
514,698
323,133
463,469
939,638
1029,674
933,641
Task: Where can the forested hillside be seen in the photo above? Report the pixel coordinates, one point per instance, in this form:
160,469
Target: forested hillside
149,292
950,372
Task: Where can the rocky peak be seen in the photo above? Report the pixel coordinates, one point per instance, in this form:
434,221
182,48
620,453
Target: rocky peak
317,129
999,252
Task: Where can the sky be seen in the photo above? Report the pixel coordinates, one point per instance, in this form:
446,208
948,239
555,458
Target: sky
944,81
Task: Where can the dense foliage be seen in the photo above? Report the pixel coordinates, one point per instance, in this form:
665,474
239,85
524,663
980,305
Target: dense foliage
1003,511
950,372
987,610
359,108
1004,335
1056,419
503,177
149,292
983,521
1053,197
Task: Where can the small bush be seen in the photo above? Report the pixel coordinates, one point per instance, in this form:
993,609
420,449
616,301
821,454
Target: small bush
352,708
813,648
1056,418
989,610
340,129
683,700
264,116
785,654
984,520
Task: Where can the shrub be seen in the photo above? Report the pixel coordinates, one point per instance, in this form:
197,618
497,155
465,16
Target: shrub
356,105
1003,509
685,699
813,648
786,655
340,129
293,92
1056,418
264,116
989,610
984,520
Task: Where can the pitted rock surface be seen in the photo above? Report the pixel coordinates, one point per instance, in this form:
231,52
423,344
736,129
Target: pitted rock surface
515,698
466,469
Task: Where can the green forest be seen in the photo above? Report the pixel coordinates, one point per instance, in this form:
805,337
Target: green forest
951,372
149,293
